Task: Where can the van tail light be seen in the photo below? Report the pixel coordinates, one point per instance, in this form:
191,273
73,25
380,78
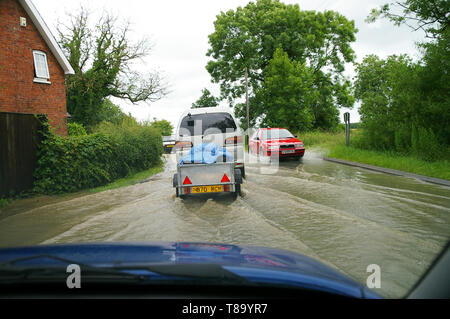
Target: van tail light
183,145
225,179
187,181
234,140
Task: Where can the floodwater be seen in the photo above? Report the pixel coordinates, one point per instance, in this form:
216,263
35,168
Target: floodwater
346,217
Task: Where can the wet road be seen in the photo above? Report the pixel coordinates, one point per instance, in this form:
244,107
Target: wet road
346,217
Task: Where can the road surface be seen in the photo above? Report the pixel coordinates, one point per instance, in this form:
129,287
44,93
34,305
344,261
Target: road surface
346,217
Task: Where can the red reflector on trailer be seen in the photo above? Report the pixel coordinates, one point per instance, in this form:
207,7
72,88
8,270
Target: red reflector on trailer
225,179
187,181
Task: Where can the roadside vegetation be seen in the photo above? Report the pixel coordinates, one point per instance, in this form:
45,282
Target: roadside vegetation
131,179
334,145
405,103
4,202
83,161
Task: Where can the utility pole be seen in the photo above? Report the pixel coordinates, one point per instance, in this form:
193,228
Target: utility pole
347,127
248,107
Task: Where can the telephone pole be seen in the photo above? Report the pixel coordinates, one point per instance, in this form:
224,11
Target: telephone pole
248,107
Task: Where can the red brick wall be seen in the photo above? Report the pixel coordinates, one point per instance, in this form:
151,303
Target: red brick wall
18,92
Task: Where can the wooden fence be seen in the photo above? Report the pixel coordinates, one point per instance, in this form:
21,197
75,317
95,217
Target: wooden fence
19,140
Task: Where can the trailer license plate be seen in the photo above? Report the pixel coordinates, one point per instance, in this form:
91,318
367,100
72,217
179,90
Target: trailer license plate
207,189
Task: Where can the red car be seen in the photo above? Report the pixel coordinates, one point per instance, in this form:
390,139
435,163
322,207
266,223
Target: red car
276,142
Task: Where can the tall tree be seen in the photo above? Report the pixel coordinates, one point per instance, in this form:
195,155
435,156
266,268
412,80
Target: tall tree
102,57
391,107
248,37
286,95
425,88
206,100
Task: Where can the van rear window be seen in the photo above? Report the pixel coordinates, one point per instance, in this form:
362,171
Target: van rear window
198,124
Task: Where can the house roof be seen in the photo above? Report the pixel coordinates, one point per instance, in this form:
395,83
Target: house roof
47,35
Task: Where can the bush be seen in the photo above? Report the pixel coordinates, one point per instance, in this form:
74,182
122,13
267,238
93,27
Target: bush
76,129
4,202
425,145
68,164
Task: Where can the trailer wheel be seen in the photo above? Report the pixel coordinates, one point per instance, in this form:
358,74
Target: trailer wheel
175,184
237,192
242,171
238,176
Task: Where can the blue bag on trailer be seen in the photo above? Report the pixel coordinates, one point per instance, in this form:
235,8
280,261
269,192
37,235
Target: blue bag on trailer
208,153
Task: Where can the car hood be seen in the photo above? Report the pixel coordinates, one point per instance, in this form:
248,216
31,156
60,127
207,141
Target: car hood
284,141
257,264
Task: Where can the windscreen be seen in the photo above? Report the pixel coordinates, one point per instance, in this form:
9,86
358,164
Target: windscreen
276,134
200,124
365,190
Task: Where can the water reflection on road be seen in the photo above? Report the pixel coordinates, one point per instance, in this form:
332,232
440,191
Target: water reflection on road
346,217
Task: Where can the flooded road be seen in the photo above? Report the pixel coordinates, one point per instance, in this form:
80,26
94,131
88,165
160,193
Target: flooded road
346,217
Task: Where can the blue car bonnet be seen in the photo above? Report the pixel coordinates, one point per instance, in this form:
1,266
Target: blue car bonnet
257,264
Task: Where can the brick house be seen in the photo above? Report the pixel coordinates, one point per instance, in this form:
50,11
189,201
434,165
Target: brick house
32,65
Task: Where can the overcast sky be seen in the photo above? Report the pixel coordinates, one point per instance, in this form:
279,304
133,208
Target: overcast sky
179,31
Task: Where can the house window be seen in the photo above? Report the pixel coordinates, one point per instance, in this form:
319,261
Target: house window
41,67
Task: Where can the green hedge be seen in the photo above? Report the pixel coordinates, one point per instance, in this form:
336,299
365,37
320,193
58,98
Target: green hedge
76,129
69,164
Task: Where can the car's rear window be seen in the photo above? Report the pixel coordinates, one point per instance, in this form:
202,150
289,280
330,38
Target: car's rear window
222,122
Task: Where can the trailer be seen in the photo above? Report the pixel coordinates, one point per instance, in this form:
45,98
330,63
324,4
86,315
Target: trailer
193,179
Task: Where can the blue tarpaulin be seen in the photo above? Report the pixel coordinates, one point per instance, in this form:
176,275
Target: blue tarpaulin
206,154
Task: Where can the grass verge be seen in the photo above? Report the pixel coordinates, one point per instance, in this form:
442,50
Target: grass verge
129,180
438,169
333,145
123,182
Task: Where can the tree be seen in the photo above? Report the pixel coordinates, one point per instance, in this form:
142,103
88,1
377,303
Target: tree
206,100
102,57
163,126
285,97
431,16
111,113
429,100
248,37
390,108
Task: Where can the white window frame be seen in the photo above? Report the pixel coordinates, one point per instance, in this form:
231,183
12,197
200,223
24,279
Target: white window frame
41,78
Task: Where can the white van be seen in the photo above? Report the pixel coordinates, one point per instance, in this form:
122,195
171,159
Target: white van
211,125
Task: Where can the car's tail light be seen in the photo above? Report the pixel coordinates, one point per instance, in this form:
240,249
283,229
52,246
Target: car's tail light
234,140
183,145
